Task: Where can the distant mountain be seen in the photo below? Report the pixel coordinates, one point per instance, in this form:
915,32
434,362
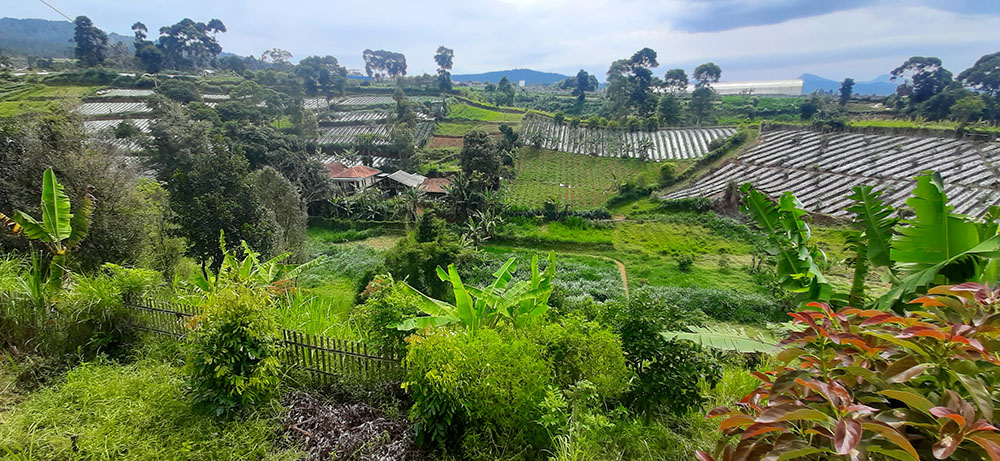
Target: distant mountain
880,85
530,77
44,38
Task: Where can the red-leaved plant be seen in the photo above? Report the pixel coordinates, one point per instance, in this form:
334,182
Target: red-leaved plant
870,384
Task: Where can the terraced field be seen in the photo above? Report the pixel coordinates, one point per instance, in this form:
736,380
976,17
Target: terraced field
821,168
342,135
683,143
378,100
109,108
580,181
353,161
96,126
124,93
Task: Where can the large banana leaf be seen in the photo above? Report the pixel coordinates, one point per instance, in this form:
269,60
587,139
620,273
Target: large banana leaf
80,223
464,304
56,214
788,235
438,312
990,248
724,339
875,219
936,234
30,228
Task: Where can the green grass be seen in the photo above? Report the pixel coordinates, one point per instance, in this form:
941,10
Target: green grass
642,206
460,128
918,124
137,411
323,309
467,112
42,98
581,181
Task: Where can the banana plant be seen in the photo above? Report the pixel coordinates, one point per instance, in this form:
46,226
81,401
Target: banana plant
941,246
871,242
799,263
520,303
249,270
59,230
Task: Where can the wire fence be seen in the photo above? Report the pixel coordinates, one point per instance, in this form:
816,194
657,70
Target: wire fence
325,359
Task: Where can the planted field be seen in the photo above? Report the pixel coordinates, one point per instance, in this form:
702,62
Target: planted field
20,98
378,100
580,181
95,126
821,169
347,134
460,128
123,93
353,161
110,108
686,143
467,112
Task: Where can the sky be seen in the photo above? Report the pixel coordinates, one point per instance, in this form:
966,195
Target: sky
749,39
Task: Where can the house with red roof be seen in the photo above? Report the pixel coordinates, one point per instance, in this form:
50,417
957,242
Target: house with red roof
354,179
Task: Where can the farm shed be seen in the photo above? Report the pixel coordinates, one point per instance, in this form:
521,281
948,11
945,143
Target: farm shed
435,187
399,181
353,179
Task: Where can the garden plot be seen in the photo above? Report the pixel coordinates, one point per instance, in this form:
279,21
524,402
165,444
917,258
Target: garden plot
669,144
378,100
821,169
96,126
315,103
361,116
111,108
351,162
347,134
123,93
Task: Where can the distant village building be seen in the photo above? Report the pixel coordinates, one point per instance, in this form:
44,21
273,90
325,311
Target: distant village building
769,87
399,181
352,179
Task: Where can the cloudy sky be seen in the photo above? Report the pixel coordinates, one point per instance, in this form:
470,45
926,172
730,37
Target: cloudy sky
749,39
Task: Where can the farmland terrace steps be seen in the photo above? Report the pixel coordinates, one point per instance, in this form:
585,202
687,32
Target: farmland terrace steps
665,144
822,168
347,134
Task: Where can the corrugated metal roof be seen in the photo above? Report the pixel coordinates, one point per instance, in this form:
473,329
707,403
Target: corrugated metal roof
435,185
407,179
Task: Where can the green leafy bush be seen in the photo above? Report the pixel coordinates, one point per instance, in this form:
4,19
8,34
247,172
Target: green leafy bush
725,305
478,391
584,351
667,372
233,350
385,305
684,262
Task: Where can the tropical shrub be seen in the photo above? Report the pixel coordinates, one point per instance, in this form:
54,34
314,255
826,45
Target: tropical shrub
385,305
859,383
667,372
233,346
520,303
581,350
480,390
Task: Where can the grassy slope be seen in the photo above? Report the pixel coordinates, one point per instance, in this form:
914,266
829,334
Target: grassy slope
137,411
42,98
467,112
581,181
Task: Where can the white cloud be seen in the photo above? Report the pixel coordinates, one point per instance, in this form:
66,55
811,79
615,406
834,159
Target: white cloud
563,35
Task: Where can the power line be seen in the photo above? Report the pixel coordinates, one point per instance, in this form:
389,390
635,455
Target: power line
57,10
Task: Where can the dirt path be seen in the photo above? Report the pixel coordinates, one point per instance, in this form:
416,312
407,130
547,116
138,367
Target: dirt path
621,268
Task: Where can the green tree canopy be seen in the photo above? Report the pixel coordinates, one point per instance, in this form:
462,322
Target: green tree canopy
91,42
